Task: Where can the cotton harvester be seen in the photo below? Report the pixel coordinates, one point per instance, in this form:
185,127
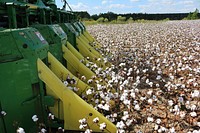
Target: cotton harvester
40,46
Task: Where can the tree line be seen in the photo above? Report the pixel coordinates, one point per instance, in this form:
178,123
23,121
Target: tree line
110,16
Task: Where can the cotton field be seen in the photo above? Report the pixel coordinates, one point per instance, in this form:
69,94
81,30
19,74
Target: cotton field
156,75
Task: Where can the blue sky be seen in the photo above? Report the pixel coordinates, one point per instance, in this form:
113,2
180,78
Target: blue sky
133,6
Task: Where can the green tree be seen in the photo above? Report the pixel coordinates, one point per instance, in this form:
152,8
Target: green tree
130,20
105,20
121,19
100,20
166,19
195,14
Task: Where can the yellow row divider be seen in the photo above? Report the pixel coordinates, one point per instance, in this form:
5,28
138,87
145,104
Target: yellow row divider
84,50
90,38
60,71
87,45
76,64
74,51
74,107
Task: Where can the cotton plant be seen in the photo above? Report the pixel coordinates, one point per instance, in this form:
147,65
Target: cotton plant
167,55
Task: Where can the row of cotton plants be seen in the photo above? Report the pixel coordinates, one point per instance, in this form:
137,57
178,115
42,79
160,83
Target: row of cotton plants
155,76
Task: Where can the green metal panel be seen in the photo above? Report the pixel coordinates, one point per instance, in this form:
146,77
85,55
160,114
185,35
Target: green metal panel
15,90
12,15
21,90
81,25
55,36
32,45
77,28
8,52
71,28
71,33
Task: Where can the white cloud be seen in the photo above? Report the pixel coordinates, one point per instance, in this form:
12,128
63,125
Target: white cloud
153,0
189,2
97,7
104,2
168,6
118,6
167,2
79,7
134,0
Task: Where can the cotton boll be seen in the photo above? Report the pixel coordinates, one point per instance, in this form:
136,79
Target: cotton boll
83,78
198,124
142,98
193,107
120,125
132,94
35,118
196,131
182,114
150,92
159,72
89,81
137,107
125,117
89,92
51,116
121,131
136,90
193,114
163,129
60,129
115,115
157,85
160,130
150,119
96,120
147,81
170,103
195,93
88,131
81,127
158,121
82,121
151,84
43,130
3,113
172,130
158,77
75,89
138,71
176,108
156,127
129,122
102,126
106,107
65,83
150,101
